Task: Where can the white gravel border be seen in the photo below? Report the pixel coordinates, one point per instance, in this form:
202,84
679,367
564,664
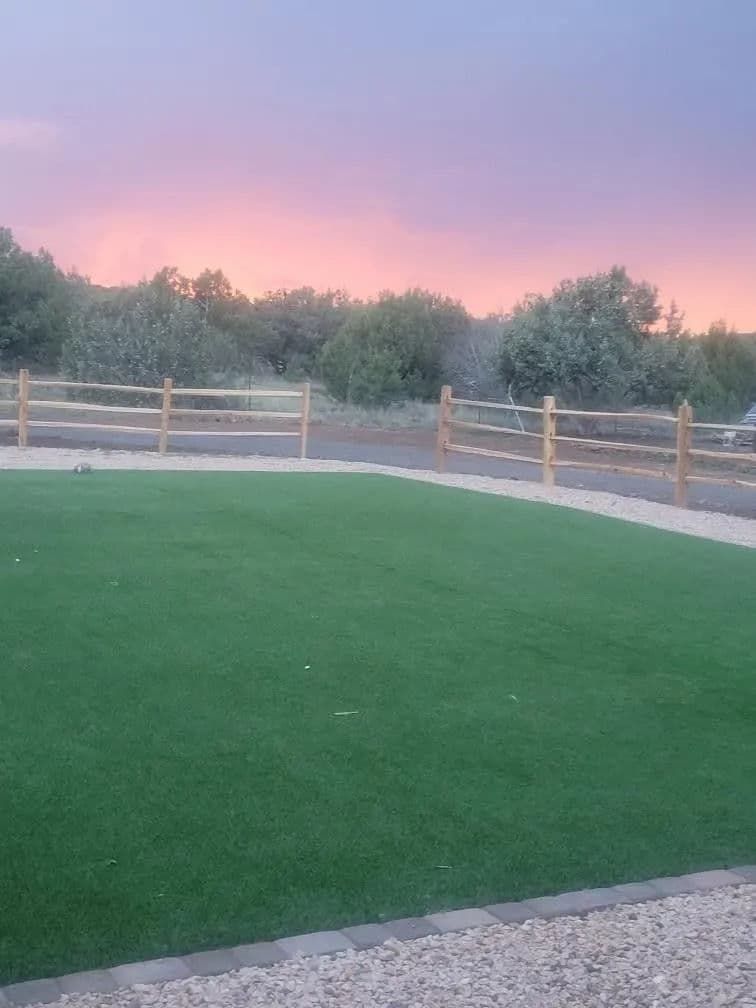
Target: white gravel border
693,951
704,524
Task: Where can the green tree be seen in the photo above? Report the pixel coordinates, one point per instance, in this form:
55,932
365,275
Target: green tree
669,370
173,283
294,325
212,292
138,339
35,302
583,342
394,348
731,360
233,337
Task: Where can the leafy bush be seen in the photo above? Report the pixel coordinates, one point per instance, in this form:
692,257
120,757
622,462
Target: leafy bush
35,300
730,386
668,371
583,342
394,348
139,339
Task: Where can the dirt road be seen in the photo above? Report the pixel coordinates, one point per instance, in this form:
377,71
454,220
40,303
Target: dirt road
413,450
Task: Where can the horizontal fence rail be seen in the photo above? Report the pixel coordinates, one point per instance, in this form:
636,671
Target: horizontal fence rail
98,386
615,445
490,405
735,428
735,456
676,460
241,393
472,425
164,411
91,407
596,415
489,453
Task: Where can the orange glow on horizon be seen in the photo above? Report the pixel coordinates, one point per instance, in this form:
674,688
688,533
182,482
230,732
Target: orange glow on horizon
262,248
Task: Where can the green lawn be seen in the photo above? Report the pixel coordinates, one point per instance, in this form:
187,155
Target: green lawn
545,700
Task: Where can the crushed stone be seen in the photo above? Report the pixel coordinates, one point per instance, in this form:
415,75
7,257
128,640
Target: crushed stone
696,951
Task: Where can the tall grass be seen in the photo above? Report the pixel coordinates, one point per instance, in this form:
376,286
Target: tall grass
324,409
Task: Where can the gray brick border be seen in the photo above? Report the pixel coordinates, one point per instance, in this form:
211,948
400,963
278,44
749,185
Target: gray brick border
32,991
213,963
151,971
462,920
91,982
364,936
407,928
260,954
317,943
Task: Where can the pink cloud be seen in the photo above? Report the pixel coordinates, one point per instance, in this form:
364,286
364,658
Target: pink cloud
27,135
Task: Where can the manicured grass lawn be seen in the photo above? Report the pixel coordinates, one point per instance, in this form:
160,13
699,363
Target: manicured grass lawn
545,700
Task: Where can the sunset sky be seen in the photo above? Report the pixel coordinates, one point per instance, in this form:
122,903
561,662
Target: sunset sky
481,148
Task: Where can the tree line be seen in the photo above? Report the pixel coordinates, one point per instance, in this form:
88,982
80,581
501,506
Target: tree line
597,341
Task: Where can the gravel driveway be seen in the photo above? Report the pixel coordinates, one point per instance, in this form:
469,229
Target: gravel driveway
686,951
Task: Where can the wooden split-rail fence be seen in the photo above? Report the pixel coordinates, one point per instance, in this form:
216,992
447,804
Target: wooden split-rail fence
166,409
683,455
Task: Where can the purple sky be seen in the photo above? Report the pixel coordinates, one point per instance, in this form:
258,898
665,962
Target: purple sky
481,148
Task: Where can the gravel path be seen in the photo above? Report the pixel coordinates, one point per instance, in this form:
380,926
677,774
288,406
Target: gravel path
686,951
725,528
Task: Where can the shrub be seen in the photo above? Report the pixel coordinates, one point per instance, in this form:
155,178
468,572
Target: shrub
139,339
392,349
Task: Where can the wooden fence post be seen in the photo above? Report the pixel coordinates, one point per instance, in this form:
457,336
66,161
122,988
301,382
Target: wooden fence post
23,408
444,413
549,444
305,419
684,419
165,416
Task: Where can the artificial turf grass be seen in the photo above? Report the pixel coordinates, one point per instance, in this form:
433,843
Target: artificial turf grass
546,700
